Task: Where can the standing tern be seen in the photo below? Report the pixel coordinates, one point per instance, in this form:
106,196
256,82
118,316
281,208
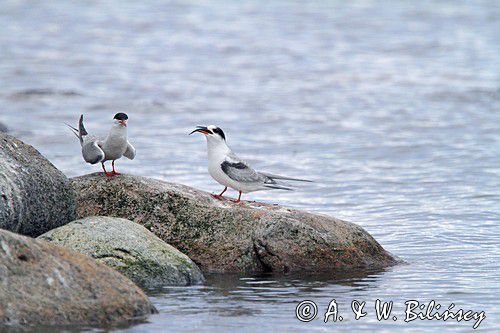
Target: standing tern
230,171
114,146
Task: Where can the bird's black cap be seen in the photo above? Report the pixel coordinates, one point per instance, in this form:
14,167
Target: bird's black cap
220,132
120,116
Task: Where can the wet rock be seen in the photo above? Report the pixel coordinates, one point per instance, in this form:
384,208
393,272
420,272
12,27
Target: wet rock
221,236
3,128
44,284
129,248
34,196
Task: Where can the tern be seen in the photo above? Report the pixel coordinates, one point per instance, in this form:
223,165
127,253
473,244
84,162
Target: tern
114,146
230,171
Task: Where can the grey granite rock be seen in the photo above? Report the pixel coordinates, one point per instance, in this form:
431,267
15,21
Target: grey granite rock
221,236
34,196
45,284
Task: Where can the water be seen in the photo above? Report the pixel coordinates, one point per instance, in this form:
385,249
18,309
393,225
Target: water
392,108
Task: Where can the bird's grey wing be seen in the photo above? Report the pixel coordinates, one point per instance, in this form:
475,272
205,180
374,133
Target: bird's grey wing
91,151
239,171
130,152
278,177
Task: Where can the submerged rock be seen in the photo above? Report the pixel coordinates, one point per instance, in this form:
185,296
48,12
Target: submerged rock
34,196
221,236
129,248
44,284
3,128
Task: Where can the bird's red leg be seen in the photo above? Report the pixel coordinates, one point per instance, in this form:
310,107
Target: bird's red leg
107,174
239,197
113,165
219,196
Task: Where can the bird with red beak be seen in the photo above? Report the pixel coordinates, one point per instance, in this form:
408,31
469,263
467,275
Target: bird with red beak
113,147
231,171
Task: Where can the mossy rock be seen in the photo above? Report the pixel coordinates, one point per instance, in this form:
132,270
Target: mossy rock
130,249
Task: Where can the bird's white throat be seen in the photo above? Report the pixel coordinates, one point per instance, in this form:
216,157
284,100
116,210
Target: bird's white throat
118,130
217,147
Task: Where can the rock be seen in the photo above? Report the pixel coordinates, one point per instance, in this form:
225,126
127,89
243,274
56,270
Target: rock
44,284
34,196
129,248
221,236
3,128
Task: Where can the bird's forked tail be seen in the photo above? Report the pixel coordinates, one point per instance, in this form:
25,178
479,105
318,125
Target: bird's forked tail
81,131
274,181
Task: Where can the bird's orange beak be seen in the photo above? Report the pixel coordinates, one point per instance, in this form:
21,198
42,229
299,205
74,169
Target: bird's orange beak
201,129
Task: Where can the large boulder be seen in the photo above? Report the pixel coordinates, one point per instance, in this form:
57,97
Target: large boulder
44,284
129,248
34,196
221,236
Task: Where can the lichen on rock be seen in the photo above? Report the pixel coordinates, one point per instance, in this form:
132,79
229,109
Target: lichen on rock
221,236
130,249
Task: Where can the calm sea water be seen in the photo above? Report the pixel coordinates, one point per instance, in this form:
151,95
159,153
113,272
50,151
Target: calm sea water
393,108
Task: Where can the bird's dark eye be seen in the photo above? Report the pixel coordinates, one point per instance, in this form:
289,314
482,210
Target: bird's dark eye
220,132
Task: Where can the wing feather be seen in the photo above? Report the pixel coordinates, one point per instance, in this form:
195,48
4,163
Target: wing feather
130,152
278,177
91,152
241,172
238,170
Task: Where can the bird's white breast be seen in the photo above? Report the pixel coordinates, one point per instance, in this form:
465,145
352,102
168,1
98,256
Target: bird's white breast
216,156
116,143
215,170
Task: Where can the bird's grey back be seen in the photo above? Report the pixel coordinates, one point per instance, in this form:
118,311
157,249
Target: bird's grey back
91,151
238,170
241,172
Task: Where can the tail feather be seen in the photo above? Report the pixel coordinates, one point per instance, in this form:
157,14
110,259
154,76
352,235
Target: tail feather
272,176
73,130
81,128
71,127
80,132
278,187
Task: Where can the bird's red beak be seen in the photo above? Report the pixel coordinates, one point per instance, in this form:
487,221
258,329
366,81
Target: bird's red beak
201,129
123,122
